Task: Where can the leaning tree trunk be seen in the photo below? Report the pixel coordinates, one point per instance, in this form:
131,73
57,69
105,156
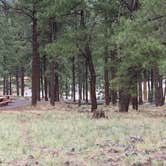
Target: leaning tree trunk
88,57
92,79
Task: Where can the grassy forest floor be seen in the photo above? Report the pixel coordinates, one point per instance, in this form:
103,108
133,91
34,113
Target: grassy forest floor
67,136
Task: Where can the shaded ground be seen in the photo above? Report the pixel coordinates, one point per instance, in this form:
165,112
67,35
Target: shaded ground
16,104
66,135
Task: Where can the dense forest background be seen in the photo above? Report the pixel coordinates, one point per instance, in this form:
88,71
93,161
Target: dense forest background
113,47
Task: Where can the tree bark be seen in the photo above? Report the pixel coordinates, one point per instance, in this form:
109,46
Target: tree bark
66,89
10,84
134,97
52,84
79,83
41,81
145,91
113,75
39,76
92,79
73,83
135,102
56,83
140,92
86,81
106,79
35,60
151,86
22,81
45,79
17,83
159,97
124,101
7,85
4,85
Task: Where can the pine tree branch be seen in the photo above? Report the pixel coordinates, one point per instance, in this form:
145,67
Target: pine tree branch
23,10
157,18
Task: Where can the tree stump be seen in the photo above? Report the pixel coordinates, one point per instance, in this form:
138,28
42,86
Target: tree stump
99,114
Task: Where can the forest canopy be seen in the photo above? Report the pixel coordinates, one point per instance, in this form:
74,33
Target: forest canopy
87,47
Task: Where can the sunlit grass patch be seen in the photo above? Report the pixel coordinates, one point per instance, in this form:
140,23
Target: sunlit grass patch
10,138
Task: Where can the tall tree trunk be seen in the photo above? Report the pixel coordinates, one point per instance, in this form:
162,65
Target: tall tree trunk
88,56
134,97
150,98
66,88
92,79
79,83
17,83
151,86
113,75
4,85
164,91
73,83
52,84
106,80
7,85
135,102
158,87
145,91
83,89
35,60
140,92
22,81
45,79
10,84
41,81
56,83
86,81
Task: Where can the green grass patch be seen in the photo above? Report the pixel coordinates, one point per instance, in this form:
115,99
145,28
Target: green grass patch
58,137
